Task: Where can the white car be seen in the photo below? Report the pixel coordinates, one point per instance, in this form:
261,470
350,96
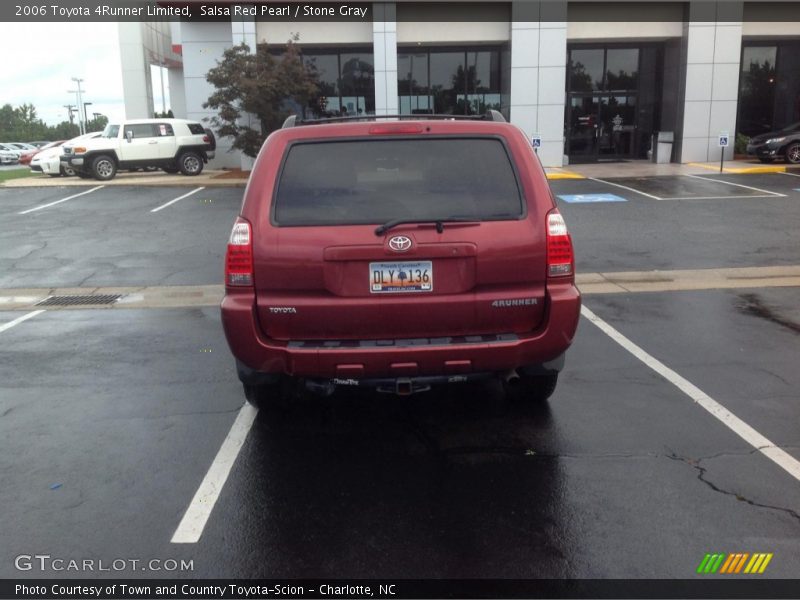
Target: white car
49,160
172,145
8,154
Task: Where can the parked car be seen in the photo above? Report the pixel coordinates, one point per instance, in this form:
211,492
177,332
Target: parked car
784,143
48,160
26,157
396,256
9,155
21,147
172,145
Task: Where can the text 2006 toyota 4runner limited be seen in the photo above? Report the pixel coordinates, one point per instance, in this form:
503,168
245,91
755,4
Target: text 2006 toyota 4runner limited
397,255
172,145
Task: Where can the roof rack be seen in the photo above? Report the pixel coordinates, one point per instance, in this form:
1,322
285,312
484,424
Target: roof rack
490,115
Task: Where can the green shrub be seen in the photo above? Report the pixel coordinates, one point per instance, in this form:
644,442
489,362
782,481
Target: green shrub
740,146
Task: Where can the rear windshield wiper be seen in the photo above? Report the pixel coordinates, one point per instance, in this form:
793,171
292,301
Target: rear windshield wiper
381,229
440,222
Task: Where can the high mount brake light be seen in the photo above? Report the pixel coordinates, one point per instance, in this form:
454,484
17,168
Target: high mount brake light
392,128
239,256
560,257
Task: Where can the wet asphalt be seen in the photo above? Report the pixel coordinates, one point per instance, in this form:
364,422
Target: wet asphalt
110,419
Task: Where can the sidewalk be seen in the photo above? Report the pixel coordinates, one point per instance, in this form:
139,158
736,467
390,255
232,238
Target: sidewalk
645,168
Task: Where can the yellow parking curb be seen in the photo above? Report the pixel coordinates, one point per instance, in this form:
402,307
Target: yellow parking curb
563,174
759,169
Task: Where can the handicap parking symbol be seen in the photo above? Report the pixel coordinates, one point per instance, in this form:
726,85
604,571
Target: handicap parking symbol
586,198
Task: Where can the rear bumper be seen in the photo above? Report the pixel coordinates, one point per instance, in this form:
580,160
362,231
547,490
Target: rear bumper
400,359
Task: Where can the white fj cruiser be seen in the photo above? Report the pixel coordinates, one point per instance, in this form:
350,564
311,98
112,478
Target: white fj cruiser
169,144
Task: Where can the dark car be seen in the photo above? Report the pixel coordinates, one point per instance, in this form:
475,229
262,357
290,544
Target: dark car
397,255
784,143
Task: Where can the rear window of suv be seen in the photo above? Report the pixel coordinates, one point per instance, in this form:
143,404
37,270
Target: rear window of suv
377,180
196,129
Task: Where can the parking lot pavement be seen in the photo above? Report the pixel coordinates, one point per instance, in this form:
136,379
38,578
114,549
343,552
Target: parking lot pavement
124,411
716,231
623,474
111,419
112,237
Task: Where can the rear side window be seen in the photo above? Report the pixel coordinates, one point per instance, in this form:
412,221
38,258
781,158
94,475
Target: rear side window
377,180
196,129
140,130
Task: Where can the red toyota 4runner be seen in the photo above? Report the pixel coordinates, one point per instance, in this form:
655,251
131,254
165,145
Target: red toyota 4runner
396,255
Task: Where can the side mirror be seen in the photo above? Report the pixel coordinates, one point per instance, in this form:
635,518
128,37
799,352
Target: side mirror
129,135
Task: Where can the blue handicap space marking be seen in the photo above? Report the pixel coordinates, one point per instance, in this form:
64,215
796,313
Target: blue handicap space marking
576,198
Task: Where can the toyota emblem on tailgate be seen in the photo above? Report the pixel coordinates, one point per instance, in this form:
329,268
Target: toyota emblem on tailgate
400,243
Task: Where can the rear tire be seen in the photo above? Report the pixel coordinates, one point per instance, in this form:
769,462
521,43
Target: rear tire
266,395
104,168
190,163
793,154
534,388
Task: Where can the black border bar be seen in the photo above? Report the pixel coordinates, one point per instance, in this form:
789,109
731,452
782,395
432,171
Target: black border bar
625,11
732,587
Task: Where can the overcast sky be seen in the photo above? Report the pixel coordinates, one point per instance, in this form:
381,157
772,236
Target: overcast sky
40,60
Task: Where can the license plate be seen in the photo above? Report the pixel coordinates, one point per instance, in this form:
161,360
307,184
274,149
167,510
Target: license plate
399,277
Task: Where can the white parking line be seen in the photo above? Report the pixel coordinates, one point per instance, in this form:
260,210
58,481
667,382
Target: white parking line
781,458
741,185
719,197
789,174
194,520
19,320
625,187
176,199
30,210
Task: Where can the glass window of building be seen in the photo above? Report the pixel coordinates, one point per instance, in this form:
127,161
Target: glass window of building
757,89
622,69
449,81
346,83
586,70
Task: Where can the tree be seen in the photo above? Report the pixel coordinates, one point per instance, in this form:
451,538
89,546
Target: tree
262,85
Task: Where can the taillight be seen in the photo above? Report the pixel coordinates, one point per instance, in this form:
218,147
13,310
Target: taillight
206,139
239,257
560,258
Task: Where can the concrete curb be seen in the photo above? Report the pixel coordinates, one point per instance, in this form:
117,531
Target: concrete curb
206,179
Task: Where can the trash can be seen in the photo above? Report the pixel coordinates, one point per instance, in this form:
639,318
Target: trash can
663,152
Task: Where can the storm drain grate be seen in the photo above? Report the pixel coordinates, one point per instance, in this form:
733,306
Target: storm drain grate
79,300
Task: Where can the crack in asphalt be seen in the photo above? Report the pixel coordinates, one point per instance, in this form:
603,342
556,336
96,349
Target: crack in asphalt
28,254
701,476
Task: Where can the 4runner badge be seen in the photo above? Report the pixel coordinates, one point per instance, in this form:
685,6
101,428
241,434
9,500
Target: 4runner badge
515,302
400,243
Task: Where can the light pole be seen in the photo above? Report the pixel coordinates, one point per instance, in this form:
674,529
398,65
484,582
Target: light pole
85,114
79,93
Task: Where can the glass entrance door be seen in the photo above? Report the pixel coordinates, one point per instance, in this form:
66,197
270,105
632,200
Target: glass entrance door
584,121
601,127
617,131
